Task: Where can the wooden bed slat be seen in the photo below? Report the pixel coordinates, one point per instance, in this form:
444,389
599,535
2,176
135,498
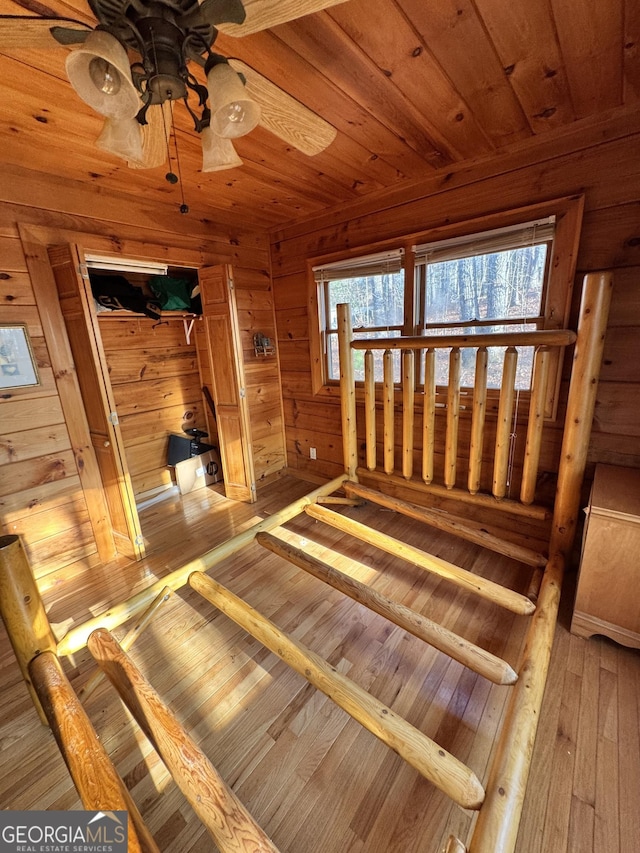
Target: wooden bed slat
128,640
228,822
437,765
76,638
506,598
444,521
484,663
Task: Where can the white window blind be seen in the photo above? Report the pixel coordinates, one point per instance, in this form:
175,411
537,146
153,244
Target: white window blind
382,263
487,242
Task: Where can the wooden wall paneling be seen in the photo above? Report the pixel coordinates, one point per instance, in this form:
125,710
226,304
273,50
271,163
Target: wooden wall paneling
66,405
181,243
150,394
59,514
19,502
136,428
15,289
151,368
255,307
610,238
17,446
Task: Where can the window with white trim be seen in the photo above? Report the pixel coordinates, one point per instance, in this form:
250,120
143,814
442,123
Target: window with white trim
493,281
374,287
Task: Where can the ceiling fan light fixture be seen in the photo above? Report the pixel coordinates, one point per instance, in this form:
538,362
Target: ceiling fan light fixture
123,138
99,72
218,153
233,112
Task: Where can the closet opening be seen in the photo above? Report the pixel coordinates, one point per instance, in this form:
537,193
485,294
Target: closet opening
149,319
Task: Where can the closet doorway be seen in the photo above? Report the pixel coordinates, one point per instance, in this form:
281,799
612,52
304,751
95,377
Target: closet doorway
128,441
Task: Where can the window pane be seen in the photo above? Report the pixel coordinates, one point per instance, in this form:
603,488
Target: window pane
493,286
496,358
376,300
358,356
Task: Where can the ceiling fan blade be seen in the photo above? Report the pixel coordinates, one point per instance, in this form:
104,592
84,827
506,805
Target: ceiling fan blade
17,31
216,12
284,116
154,138
264,14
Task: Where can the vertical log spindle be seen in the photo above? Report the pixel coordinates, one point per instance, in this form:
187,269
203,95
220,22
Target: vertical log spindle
347,391
503,427
539,381
453,418
388,411
477,420
370,410
429,415
408,411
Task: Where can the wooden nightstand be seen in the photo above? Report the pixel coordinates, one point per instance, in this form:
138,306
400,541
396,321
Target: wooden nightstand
608,593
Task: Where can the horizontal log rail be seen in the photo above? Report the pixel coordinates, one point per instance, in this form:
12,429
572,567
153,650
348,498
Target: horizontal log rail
540,338
536,512
436,764
445,522
228,822
475,658
507,598
94,776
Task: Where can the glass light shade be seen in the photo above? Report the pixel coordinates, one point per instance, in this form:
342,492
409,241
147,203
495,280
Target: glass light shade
233,113
217,152
122,137
99,72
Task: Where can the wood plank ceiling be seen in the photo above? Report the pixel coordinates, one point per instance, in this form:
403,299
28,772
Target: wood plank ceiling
412,86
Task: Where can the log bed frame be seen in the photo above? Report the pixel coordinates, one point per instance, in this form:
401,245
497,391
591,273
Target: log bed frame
500,797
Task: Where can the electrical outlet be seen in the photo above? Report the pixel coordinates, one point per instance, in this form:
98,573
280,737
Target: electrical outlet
312,453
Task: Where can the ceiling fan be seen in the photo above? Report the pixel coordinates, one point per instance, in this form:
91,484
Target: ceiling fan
164,36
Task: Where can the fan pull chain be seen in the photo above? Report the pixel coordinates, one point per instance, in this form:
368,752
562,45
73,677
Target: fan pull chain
184,207
171,177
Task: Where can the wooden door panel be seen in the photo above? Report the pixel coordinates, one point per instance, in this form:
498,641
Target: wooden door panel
75,299
224,358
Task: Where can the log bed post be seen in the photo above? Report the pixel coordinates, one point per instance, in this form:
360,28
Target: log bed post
94,776
497,826
347,391
587,358
23,612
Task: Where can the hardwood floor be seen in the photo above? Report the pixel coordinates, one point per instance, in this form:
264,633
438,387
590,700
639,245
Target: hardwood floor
313,778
